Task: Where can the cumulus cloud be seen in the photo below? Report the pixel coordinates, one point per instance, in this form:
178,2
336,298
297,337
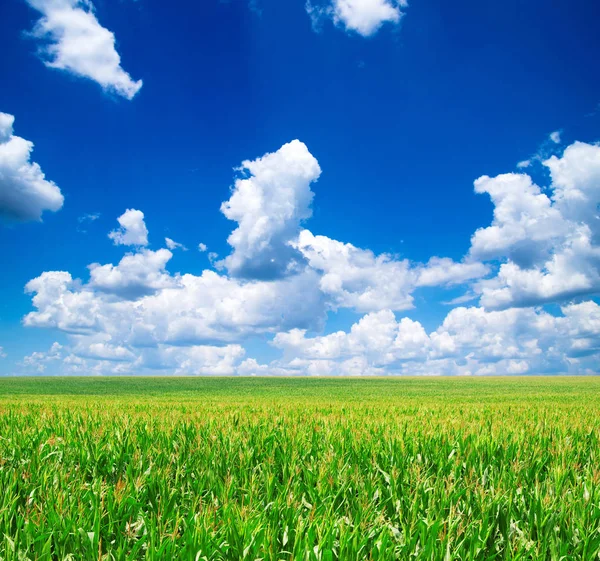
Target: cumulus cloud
133,229
442,271
25,193
364,17
202,247
139,304
282,280
269,205
525,226
136,275
548,244
469,341
199,360
75,41
39,360
357,278
103,358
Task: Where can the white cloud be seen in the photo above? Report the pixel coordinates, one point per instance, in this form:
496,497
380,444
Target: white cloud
136,316
202,247
25,193
525,226
555,137
136,275
576,184
364,17
91,348
171,244
550,242
2,353
440,271
269,205
199,360
138,303
377,338
137,311
133,229
357,278
38,361
469,341
62,304
142,307
77,43
99,358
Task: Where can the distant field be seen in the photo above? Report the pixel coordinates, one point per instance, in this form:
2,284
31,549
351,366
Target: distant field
311,469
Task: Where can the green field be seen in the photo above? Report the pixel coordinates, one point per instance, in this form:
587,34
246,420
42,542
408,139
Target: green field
274,469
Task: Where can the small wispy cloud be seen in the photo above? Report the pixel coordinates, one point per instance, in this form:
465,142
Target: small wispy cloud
91,217
172,244
468,297
545,150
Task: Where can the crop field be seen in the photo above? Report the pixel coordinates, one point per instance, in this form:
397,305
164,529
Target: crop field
312,469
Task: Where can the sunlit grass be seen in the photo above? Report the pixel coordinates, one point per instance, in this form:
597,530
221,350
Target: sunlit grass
431,469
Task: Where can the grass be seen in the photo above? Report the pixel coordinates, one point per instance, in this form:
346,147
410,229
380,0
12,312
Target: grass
312,469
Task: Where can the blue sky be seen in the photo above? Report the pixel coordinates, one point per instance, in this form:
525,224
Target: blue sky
400,107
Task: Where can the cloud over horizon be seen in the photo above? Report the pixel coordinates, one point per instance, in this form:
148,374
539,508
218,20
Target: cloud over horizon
281,281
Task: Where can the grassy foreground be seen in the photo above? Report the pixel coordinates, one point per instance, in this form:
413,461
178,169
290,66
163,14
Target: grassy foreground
312,469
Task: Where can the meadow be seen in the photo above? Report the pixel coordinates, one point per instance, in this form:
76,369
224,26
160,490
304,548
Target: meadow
312,469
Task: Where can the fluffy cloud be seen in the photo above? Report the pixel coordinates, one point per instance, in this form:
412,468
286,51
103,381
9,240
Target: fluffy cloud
202,247
357,278
38,361
25,193
62,304
549,243
136,275
364,17
525,225
77,43
469,341
576,184
282,280
203,360
105,359
133,229
442,271
269,207
145,307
